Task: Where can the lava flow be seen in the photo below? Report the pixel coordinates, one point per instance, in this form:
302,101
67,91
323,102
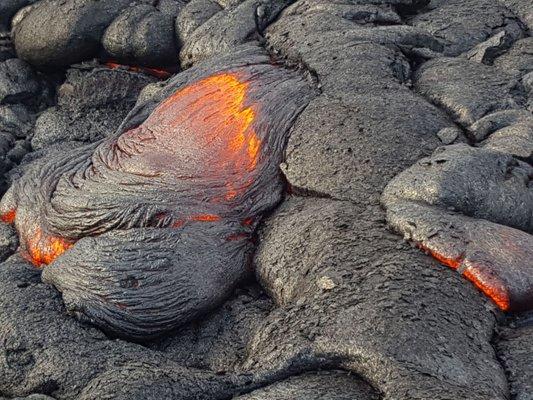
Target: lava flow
476,273
202,132
36,246
157,72
202,135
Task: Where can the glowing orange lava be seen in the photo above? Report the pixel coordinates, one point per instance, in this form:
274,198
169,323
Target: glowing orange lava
453,263
205,218
490,286
204,131
42,249
158,73
8,217
202,135
478,275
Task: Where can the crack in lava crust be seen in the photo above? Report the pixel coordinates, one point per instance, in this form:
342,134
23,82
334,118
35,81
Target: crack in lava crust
168,202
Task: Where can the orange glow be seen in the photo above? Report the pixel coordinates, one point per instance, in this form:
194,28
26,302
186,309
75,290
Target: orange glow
205,217
453,263
206,131
158,73
42,249
178,224
8,217
490,286
253,149
198,218
247,221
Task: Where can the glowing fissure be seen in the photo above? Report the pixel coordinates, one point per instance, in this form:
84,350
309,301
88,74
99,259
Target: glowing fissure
157,72
476,274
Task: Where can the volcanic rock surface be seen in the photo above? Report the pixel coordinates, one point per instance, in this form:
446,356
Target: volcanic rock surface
233,231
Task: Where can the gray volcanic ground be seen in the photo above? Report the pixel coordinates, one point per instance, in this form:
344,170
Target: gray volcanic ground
266,199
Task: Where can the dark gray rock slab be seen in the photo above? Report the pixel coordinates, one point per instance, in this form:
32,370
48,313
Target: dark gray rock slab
352,294
192,16
18,82
78,26
515,350
325,385
495,121
230,28
171,7
462,24
518,58
351,149
219,340
522,8
516,140
142,35
468,90
16,120
91,104
46,351
478,182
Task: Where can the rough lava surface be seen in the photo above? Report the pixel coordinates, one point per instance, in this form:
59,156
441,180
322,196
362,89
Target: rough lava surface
367,236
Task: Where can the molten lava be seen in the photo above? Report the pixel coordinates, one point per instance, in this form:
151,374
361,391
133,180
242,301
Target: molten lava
202,132
489,285
8,217
479,275
42,249
37,247
157,72
202,136
453,263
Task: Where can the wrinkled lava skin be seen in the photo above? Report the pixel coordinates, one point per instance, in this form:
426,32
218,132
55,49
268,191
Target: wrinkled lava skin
435,203
183,183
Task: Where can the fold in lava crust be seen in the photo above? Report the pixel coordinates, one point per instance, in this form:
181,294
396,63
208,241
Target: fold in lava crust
153,223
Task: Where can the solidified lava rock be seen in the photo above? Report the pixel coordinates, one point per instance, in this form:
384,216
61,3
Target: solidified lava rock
495,258
229,28
183,182
514,349
467,89
78,26
351,310
480,183
327,385
462,24
359,298
91,104
18,82
142,35
487,185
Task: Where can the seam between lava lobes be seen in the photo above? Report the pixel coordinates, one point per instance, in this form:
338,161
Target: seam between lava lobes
302,192
471,142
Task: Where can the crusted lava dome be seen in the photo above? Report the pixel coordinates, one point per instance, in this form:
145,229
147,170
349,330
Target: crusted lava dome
472,210
151,226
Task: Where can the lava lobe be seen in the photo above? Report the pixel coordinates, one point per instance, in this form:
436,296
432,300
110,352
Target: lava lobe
168,202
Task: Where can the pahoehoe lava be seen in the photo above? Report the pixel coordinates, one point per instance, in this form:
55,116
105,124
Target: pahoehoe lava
266,199
183,182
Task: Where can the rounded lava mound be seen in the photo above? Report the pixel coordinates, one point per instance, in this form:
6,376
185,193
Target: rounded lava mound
183,182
